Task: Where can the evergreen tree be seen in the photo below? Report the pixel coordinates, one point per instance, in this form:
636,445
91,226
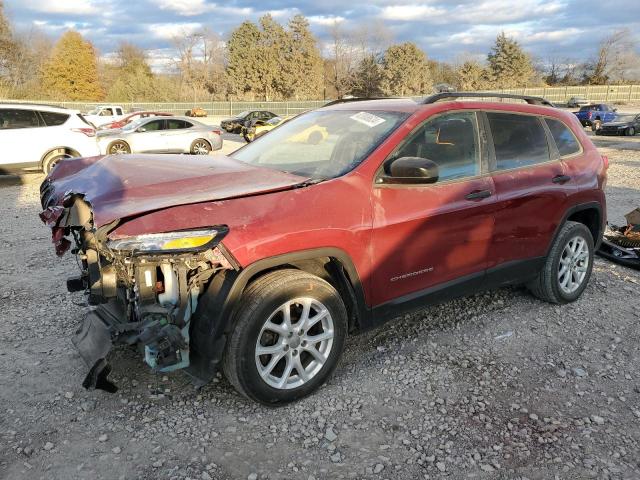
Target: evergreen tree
368,78
304,69
72,71
405,70
244,60
509,65
471,76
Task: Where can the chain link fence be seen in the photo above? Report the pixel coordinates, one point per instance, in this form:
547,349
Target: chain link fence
594,93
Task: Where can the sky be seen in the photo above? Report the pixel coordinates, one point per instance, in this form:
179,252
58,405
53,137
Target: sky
445,30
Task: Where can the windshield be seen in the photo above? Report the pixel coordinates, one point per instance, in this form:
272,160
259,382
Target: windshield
243,114
323,143
95,111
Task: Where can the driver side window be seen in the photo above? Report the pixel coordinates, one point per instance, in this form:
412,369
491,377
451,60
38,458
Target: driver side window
450,141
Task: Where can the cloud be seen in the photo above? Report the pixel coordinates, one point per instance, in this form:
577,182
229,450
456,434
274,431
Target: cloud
325,19
69,7
186,8
168,31
410,13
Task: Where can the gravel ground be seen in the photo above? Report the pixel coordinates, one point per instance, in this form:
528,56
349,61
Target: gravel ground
497,385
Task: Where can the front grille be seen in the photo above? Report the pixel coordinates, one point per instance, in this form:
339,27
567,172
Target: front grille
46,194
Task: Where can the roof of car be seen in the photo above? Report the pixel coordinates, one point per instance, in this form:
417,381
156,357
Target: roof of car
39,106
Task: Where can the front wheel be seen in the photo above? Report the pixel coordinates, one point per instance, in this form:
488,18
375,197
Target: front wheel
568,266
595,125
287,339
118,148
631,131
200,147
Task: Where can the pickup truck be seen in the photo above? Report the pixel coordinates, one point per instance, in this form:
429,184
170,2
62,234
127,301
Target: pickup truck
104,114
595,115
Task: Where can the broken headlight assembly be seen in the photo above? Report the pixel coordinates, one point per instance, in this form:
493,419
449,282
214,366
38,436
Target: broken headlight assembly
170,242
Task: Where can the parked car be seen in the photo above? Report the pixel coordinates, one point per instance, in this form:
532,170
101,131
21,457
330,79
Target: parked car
196,112
244,119
133,117
595,115
575,102
259,128
37,137
262,262
626,124
104,114
161,135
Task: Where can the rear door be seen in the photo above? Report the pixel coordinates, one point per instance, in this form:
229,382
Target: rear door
177,138
530,186
426,236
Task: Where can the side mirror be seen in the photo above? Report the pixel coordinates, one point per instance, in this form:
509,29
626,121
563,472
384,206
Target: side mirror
615,109
408,170
141,130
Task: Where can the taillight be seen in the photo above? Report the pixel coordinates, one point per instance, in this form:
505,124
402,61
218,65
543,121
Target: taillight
589,114
89,132
605,161
217,132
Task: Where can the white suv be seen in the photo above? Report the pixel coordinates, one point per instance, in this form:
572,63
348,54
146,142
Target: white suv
36,137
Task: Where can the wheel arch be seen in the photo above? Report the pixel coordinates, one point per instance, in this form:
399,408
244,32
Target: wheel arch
590,215
72,151
213,318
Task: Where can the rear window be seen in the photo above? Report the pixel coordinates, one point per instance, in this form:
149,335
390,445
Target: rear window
18,118
53,119
519,140
563,136
178,124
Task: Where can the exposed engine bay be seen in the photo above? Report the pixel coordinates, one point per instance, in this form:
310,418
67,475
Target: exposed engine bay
140,290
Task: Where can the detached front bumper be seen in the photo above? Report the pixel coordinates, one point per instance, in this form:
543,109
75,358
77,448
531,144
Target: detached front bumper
93,340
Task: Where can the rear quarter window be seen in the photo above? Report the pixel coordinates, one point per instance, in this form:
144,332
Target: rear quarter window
519,140
53,119
566,141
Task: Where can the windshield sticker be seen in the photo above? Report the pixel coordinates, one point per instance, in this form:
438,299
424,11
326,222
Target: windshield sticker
368,119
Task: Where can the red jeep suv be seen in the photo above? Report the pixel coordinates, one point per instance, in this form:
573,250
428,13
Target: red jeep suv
262,262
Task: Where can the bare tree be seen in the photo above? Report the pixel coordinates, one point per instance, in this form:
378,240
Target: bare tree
344,59
615,61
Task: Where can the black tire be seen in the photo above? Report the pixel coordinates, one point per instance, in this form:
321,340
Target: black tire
246,137
595,125
631,131
52,158
547,284
199,146
118,147
260,300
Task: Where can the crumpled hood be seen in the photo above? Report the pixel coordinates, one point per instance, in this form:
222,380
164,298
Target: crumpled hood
121,186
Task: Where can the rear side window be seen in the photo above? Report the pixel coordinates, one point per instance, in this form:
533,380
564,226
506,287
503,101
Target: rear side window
519,140
11,119
178,124
53,119
565,140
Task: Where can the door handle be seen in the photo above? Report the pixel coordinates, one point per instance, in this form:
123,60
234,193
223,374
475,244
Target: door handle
561,179
478,195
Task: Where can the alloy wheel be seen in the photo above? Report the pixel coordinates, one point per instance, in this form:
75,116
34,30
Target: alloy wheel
573,265
294,343
118,148
200,148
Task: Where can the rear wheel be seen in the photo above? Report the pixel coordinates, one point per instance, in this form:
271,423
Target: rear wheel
287,339
52,158
118,147
568,266
200,147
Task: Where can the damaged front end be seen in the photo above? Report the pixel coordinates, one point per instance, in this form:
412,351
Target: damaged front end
141,290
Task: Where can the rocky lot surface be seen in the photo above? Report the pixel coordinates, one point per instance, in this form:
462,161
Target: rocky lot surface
497,385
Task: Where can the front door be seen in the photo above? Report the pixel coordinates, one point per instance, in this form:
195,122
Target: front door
149,137
428,236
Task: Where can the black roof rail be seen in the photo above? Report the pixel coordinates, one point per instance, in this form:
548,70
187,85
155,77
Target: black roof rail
360,99
453,95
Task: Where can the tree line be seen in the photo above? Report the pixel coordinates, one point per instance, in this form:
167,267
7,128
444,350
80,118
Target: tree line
271,61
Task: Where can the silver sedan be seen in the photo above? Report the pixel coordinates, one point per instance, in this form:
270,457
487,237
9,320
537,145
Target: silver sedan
161,135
